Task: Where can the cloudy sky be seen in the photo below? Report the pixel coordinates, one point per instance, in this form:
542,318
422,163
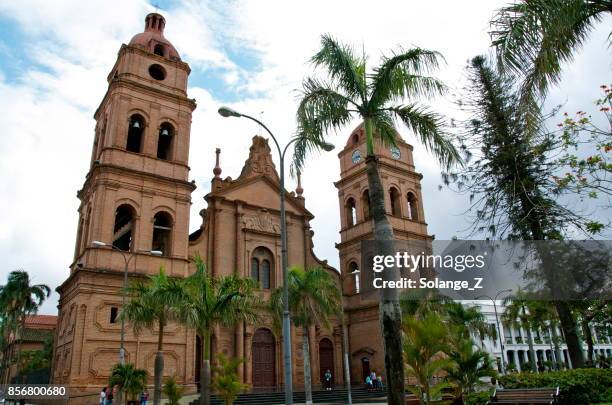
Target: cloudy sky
251,55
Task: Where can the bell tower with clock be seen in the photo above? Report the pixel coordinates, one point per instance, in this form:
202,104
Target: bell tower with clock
404,207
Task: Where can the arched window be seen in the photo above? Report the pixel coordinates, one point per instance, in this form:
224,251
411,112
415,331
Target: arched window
135,131
354,272
413,212
262,263
394,198
351,212
159,50
162,232
124,227
365,202
164,141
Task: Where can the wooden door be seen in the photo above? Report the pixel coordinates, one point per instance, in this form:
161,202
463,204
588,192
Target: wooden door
326,358
263,355
365,369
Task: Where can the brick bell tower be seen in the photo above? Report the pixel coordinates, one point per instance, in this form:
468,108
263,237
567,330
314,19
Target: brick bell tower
404,207
135,201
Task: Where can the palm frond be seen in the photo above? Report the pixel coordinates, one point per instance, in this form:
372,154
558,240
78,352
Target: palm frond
343,66
533,38
427,127
401,76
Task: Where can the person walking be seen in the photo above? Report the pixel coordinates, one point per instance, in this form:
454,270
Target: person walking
109,396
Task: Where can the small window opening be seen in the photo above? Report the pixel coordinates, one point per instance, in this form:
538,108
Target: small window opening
157,72
351,212
394,197
365,199
162,231
114,311
265,274
412,207
159,50
164,141
354,271
255,269
124,225
135,131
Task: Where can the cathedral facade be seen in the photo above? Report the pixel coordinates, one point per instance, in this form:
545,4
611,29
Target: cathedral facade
134,217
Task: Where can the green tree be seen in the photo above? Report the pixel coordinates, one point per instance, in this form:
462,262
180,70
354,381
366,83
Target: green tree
128,379
214,301
468,320
227,382
375,97
534,38
154,303
469,366
173,391
508,176
313,298
516,313
426,342
18,299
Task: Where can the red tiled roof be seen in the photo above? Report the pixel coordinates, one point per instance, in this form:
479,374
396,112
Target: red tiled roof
41,321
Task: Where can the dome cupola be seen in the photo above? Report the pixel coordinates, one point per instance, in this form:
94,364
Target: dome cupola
153,40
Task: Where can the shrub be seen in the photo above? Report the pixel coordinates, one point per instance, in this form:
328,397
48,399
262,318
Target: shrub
479,398
580,386
173,390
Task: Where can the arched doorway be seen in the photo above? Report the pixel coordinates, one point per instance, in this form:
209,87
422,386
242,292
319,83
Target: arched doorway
326,358
365,368
263,355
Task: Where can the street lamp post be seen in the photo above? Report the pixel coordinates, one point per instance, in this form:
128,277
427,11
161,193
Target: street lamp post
127,258
228,112
499,337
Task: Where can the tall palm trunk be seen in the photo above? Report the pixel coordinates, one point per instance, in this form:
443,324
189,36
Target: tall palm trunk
205,369
307,372
389,308
18,365
159,366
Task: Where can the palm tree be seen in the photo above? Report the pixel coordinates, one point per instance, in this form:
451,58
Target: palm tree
425,346
18,299
534,38
213,301
468,320
516,313
129,379
313,298
376,98
154,303
468,367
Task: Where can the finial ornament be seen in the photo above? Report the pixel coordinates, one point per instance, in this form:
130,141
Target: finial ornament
217,169
299,190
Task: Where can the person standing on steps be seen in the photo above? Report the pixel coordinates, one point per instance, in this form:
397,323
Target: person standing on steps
328,380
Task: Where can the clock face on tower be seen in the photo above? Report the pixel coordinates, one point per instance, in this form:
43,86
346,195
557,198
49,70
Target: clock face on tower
395,152
356,156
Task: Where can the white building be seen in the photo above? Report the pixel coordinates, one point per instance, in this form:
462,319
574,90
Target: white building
514,344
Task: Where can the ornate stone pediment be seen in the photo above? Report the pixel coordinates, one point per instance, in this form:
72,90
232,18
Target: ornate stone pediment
260,160
262,222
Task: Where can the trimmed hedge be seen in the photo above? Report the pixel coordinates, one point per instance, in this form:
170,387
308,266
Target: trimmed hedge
580,386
